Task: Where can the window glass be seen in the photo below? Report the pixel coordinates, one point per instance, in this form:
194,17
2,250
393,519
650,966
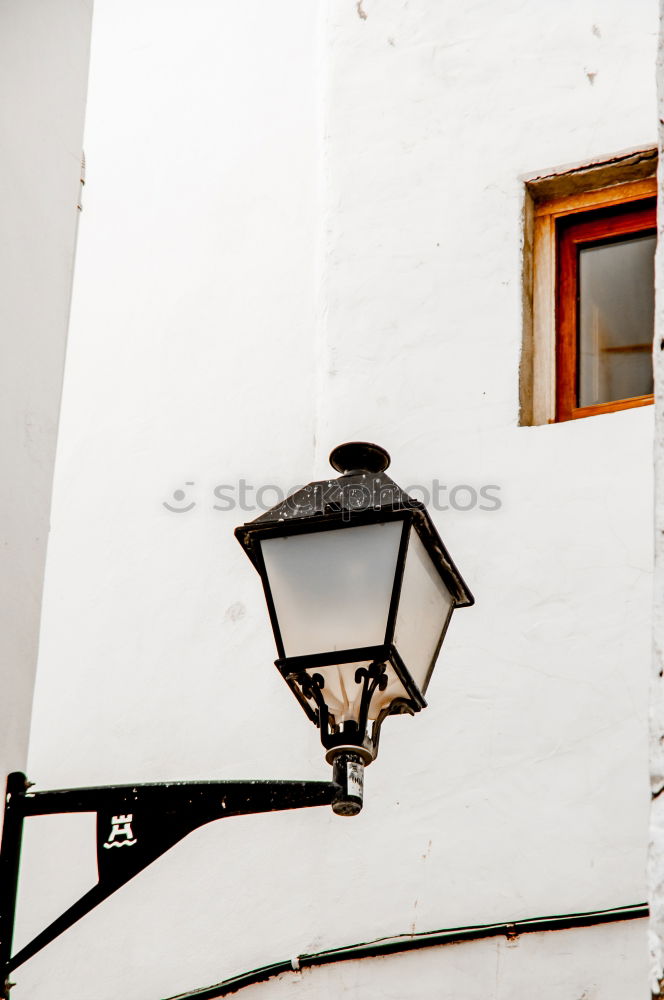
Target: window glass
616,320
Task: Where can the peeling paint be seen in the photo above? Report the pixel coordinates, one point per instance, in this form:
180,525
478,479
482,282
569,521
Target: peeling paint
236,612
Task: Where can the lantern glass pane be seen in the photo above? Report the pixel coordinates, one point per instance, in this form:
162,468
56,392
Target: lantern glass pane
424,607
331,589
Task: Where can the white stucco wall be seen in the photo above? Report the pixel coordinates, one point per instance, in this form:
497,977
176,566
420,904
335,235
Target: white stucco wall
303,225
44,50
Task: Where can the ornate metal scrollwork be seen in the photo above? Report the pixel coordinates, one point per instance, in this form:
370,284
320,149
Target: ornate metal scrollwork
311,686
373,678
400,706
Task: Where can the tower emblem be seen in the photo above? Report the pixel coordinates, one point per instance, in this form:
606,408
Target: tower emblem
121,834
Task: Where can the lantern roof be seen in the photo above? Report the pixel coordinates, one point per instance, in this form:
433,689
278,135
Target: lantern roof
362,494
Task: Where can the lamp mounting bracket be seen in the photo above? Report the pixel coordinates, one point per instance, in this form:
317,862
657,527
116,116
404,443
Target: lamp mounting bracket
136,824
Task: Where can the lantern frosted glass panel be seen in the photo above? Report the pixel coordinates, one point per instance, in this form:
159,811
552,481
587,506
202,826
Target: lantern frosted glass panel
424,609
332,589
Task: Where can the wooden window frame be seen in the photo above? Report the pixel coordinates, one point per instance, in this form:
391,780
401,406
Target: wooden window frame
550,199
590,228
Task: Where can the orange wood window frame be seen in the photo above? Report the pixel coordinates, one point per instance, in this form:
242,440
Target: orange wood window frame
573,233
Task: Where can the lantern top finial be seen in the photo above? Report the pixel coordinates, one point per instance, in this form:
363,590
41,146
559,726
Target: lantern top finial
359,456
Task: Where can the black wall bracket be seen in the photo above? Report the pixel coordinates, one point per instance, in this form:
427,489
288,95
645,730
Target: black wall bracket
136,824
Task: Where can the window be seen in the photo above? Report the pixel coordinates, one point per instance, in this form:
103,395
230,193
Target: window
605,309
589,290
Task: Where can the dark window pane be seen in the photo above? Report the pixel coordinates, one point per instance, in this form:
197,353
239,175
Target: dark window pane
616,320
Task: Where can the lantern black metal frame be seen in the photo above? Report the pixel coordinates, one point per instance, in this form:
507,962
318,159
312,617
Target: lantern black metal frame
363,496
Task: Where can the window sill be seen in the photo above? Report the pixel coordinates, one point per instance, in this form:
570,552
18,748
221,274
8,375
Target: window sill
617,404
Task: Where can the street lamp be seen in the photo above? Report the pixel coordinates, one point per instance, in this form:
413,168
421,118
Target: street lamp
360,591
